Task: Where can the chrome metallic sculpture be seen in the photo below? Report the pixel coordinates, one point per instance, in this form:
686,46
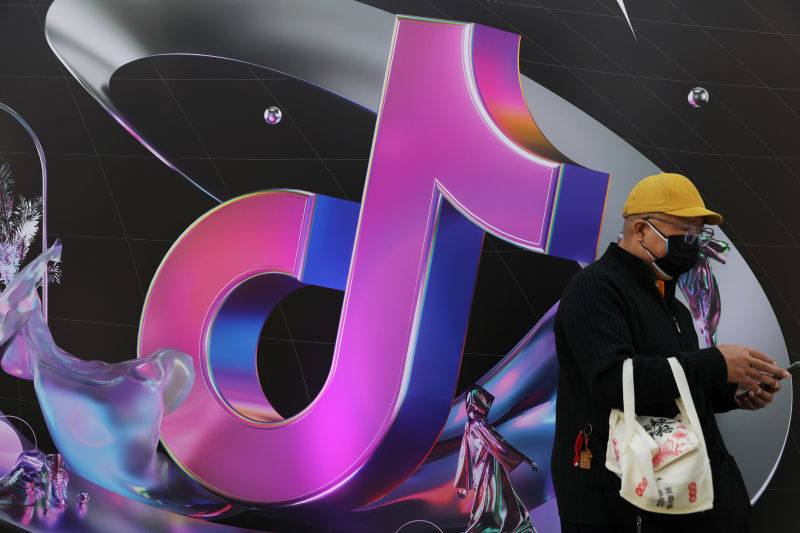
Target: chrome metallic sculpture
483,464
699,285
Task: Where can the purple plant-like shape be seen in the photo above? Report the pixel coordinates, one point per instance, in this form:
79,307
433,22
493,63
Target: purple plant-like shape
19,225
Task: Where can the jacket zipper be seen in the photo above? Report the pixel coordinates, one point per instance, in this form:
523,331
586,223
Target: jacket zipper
638,524
671,314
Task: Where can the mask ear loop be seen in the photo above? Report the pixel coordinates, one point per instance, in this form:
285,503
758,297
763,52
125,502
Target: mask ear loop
35,442
654,258
666,240
648,252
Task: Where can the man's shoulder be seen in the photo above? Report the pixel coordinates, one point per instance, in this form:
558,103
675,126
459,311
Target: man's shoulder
592,276
597,285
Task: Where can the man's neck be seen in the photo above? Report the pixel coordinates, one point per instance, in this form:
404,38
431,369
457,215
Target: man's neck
635,249
627,245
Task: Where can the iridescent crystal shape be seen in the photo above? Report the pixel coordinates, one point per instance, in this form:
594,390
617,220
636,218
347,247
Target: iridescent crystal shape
699,285
104,418
26,481
59,478
484,462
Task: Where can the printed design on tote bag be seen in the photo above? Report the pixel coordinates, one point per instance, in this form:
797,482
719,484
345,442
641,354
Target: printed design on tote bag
673,448
657,427
666,498
640,488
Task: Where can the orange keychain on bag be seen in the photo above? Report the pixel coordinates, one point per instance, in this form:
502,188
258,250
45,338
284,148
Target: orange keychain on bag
583,456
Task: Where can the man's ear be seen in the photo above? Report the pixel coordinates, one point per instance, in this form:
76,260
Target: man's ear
638,229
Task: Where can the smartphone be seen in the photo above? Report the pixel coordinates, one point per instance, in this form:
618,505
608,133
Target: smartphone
791,367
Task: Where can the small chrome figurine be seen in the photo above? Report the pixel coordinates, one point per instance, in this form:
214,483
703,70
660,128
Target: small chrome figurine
483,464
59,479
699,285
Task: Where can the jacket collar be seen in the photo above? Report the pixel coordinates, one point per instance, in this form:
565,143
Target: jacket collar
636,267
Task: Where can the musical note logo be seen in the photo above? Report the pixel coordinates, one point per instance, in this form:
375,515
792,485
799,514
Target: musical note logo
455,154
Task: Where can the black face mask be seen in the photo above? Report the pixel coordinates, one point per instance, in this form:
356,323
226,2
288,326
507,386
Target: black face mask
681,255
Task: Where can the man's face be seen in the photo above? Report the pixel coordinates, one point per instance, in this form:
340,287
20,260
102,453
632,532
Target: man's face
654,242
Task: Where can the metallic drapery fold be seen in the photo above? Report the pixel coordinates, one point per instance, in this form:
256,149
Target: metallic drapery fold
488,458
699,285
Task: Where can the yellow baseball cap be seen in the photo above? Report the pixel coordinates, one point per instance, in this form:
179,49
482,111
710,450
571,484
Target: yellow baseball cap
672,194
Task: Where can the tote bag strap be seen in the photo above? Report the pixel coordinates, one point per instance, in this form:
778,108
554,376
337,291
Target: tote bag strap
628,400
686,398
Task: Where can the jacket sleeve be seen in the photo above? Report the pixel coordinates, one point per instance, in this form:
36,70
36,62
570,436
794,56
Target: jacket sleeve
722,397
593,320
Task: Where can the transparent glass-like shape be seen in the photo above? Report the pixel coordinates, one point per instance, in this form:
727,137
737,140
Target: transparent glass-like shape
104,418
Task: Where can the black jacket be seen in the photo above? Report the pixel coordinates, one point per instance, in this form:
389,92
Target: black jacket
610,311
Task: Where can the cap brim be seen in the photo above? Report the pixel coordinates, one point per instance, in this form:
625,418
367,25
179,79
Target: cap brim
709,217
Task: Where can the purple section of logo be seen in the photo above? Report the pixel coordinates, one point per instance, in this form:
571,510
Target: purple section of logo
461,164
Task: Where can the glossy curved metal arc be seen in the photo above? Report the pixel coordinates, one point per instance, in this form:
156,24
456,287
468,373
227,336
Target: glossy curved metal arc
338,45
94,38
43,163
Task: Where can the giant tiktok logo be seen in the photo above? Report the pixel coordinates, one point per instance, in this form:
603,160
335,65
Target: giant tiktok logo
455,154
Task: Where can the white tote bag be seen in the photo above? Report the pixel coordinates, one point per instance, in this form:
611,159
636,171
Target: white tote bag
663,462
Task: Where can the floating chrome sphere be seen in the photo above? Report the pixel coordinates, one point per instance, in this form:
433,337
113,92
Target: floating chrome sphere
698,97
273,115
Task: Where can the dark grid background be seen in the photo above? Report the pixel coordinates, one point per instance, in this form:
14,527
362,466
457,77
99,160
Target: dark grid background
118,209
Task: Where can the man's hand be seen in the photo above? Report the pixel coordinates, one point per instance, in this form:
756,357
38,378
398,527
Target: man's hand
755,399
749,367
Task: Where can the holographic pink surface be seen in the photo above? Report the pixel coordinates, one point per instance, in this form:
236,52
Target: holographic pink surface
442,171
10,448
253,235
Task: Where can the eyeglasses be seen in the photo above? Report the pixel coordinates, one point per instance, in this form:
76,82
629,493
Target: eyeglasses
694,232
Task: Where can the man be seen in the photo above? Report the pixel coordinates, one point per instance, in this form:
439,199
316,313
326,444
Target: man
623,305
